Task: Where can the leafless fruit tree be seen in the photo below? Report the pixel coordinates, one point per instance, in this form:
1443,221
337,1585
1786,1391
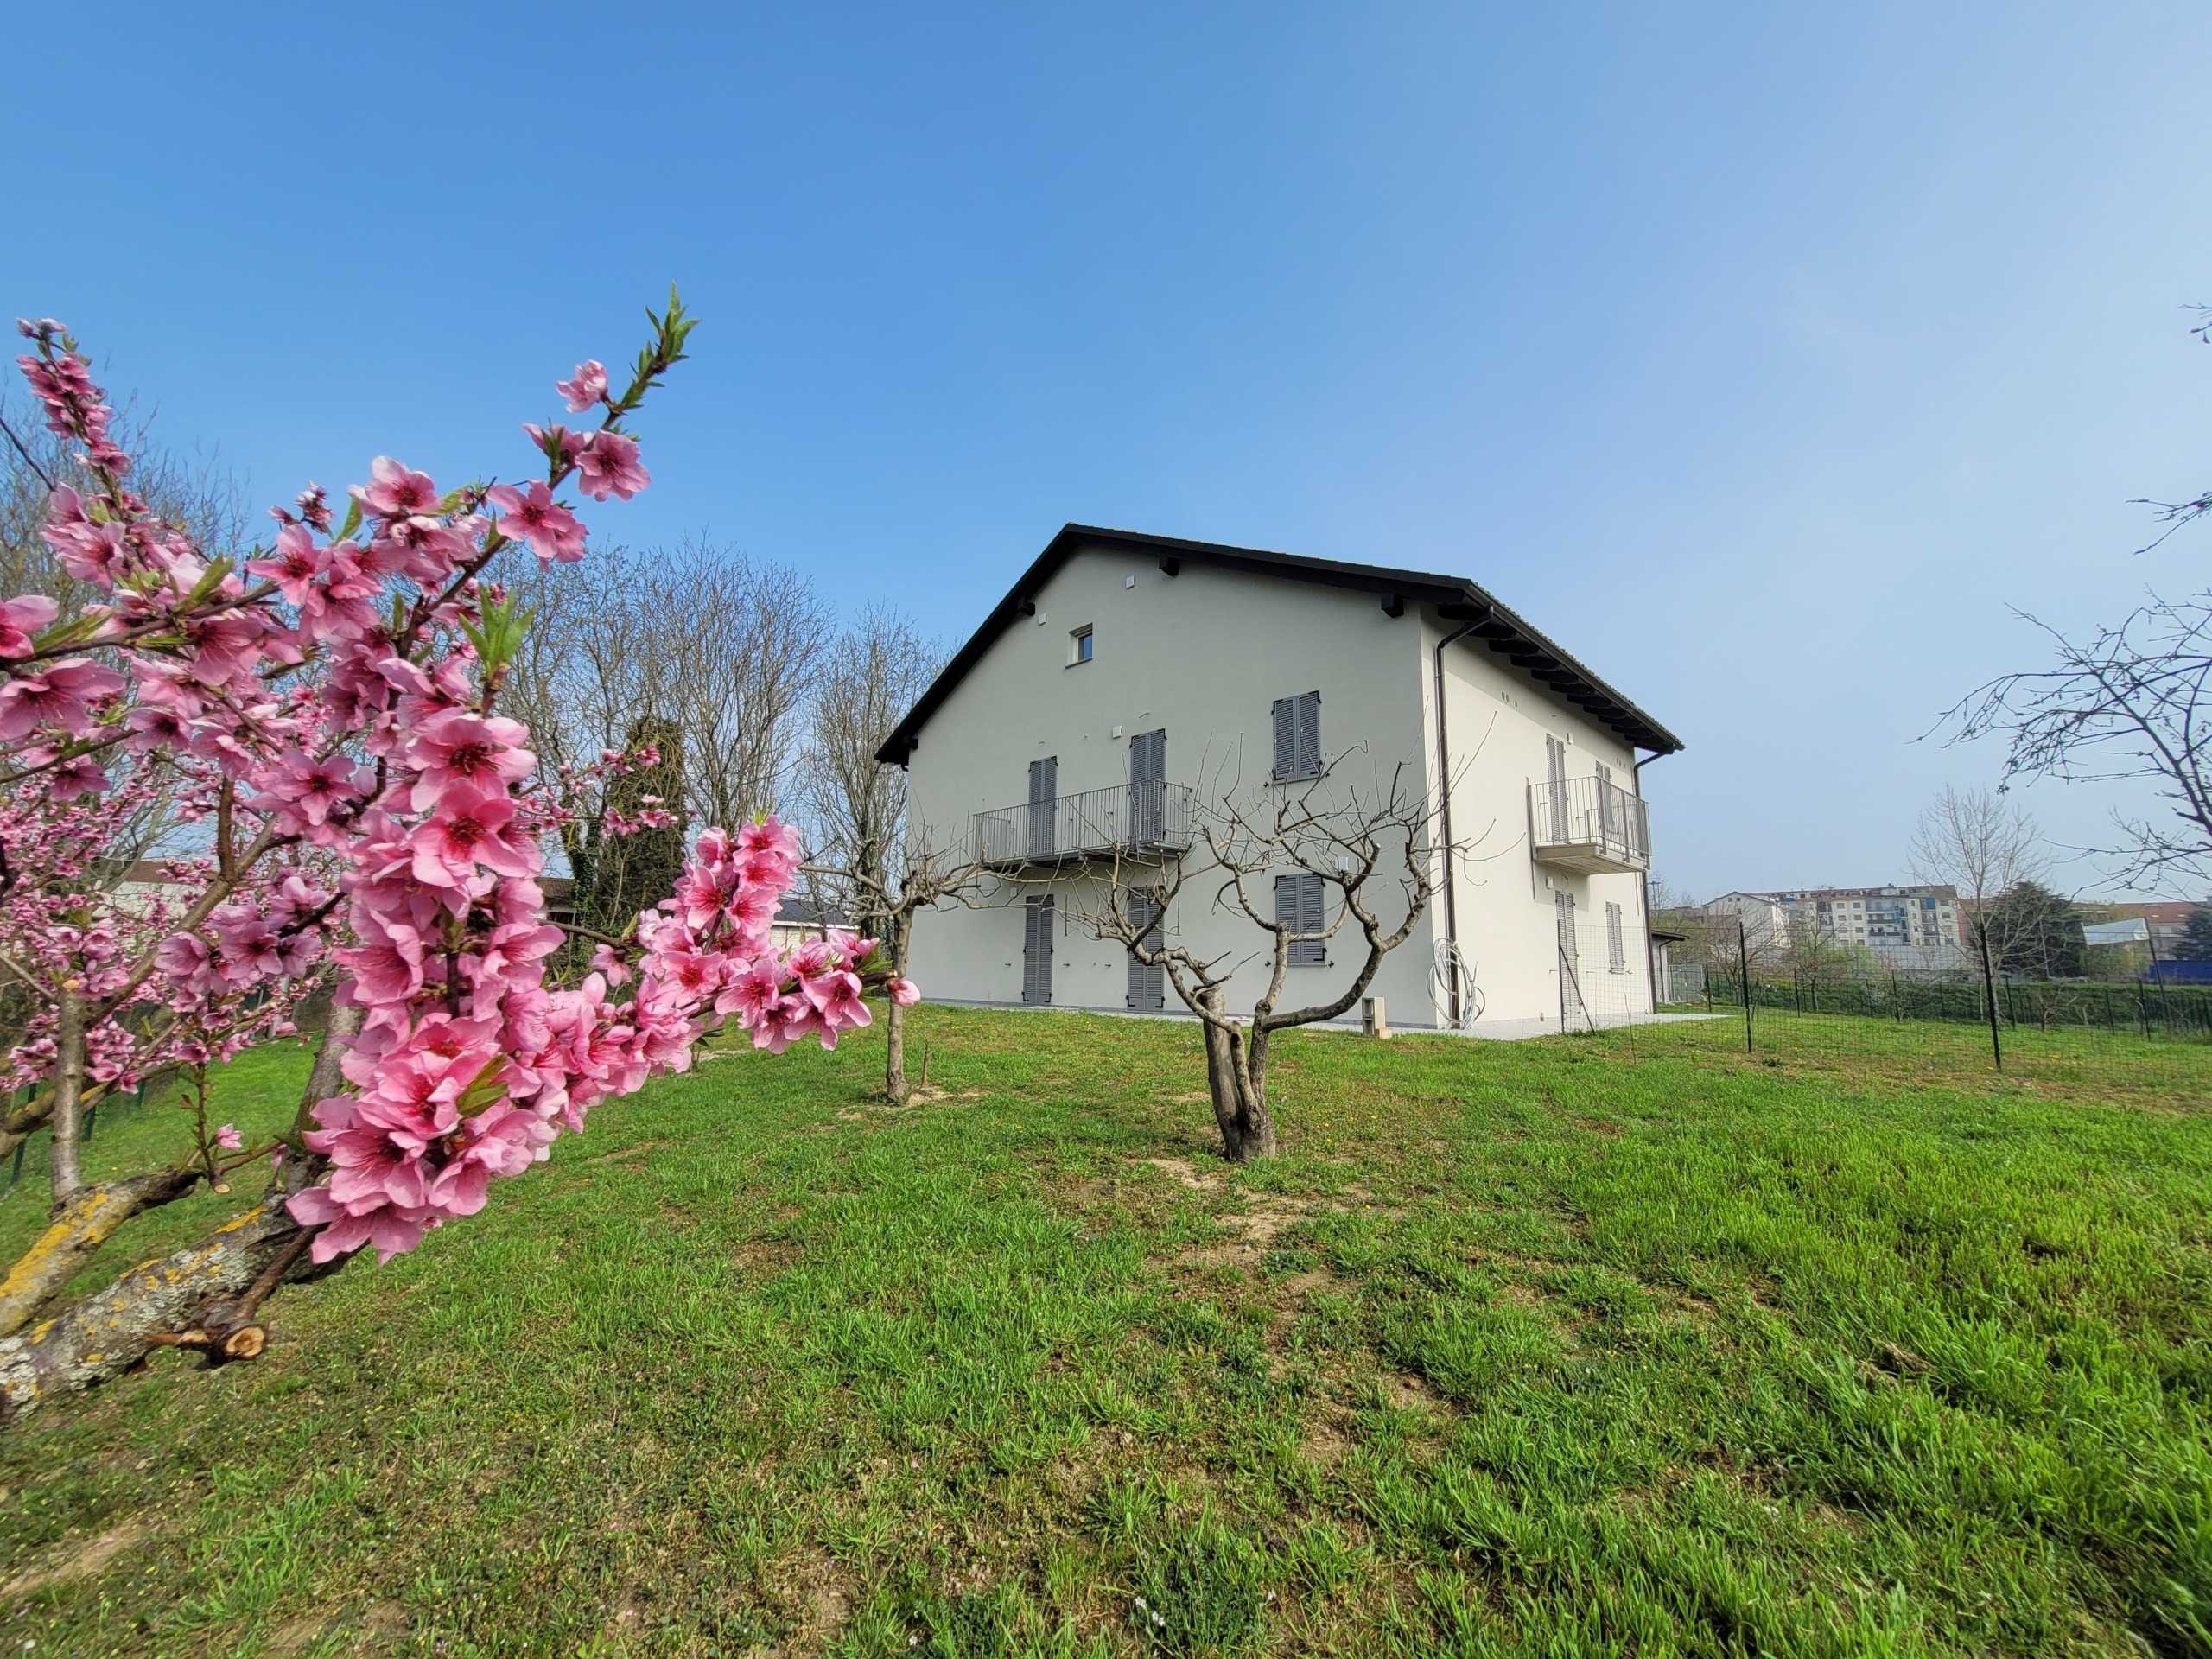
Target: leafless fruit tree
2122,702
886,897
2132,702
1985,844
1360,848
852,802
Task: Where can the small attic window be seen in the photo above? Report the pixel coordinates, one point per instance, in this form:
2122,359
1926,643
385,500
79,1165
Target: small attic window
1079,645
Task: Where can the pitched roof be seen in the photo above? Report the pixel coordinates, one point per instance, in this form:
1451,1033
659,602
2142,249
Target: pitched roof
1456,598
2162,912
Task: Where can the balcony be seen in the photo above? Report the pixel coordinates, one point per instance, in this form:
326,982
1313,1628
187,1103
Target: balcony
1589,825
1137,821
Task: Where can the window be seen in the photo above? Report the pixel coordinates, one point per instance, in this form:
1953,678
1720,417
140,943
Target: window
1616,946
1298,907
1297,736
1079,645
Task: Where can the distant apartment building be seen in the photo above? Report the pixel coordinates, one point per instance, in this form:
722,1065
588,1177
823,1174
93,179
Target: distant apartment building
1888,919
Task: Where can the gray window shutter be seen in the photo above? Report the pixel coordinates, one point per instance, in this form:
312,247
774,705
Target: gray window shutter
1147,788
1309,734
1044,784
1045,949
1286,719
1148,985
1036,951
1298,907
1029,950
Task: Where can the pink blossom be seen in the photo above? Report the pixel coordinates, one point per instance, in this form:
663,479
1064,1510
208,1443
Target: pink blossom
533,515
303,793
294,566
468,751
390,1228
588,386
76,779
608,465
397,491
60,694
21,618
903,991
752,993
467,830
387,965
229,1139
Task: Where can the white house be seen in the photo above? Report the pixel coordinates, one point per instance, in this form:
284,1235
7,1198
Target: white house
1128,682
1764,918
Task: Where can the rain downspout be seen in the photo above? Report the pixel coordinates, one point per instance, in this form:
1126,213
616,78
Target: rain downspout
1650,951
1443,817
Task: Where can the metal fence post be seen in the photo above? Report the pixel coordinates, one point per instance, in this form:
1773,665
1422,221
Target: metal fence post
1744,979
1989,990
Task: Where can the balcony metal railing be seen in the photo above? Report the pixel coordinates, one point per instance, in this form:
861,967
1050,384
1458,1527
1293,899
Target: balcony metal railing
1130,820
1587,823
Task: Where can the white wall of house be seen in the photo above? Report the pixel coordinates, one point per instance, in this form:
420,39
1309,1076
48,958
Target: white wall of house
1204,654
1496,719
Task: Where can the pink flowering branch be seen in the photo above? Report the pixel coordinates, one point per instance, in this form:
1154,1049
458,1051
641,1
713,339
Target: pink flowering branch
376,823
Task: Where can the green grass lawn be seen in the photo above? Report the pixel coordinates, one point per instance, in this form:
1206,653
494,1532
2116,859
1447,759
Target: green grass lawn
1625,1344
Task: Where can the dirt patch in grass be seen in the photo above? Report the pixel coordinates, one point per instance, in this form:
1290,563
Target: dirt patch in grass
1326,1436
82,1561
1407,1391
1186,1172
627,1154
764,1258
816,1599
378,1630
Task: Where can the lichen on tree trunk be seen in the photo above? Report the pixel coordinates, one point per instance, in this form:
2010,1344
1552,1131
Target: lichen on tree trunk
205,1296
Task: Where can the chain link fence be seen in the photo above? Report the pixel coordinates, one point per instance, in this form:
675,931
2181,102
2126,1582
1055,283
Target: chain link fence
1947,1003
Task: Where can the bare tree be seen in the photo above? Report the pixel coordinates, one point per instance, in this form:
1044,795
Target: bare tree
884,870
695,639
888,897
1354,846
1983,844
196,492
2125,703
854,803
2122,702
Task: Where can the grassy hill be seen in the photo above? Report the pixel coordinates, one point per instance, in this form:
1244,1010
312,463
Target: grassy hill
1571,1347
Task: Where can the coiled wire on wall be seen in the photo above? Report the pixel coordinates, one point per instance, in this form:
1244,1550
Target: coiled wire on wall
1453,966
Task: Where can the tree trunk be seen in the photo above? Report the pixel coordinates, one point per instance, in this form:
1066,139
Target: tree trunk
1236,1079
894,1053
175,1301
203,1297
69,1095
895,937
87,1221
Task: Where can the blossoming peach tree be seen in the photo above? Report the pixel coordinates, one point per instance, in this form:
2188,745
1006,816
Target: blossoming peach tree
322,719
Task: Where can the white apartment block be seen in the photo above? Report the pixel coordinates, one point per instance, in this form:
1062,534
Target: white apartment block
1128,683
1894,919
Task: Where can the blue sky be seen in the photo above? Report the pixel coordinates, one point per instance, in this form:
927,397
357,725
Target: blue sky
1763,355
